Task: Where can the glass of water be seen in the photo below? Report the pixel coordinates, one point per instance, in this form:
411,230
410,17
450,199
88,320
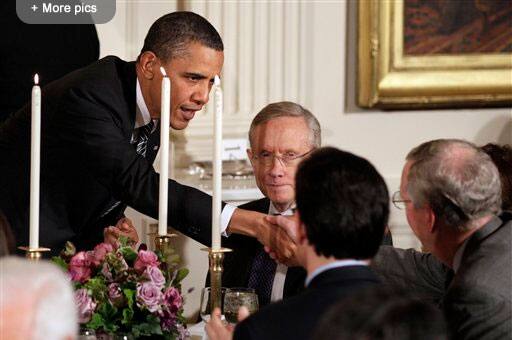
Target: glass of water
234,298
205,309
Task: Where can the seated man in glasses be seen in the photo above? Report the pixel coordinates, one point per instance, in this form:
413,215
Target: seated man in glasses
343,208
450,191
280,136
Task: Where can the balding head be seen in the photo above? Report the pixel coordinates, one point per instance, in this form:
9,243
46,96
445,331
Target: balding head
456,179
36,301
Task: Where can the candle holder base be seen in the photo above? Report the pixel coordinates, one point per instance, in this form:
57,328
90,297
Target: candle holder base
34,254
216,258
163,242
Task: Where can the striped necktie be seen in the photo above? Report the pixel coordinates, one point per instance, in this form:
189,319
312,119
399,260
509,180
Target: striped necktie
141,144
142,139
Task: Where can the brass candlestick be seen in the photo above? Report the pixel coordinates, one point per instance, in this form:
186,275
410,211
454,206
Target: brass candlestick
34,254
163,242
216,258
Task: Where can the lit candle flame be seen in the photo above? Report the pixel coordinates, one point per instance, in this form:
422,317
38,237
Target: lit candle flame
36,79
216,81
163,71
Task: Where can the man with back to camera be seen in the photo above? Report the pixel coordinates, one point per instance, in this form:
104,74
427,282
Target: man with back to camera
336,238
450,190
280,136
100,135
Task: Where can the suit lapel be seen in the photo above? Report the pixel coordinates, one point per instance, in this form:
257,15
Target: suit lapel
128,78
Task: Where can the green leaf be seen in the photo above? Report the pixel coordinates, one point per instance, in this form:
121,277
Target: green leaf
123,240
182,273
130,297
59,261
128,253
150,327
96,322
127,316
97,287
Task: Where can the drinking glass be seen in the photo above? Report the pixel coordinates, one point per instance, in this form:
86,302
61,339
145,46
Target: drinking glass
234,298
204,311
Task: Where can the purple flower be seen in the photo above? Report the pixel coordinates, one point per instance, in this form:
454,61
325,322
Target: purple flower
154,275
86,305
173,300
149,296
105,271
99,253
79,267
114,294
167,320
145,258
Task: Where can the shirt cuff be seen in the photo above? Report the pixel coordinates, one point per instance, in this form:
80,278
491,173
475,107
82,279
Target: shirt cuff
225,217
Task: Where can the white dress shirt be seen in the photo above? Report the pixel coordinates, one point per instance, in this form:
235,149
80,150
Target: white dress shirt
142,117
281,269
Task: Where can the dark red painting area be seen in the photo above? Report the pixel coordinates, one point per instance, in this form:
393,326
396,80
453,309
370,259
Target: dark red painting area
457,26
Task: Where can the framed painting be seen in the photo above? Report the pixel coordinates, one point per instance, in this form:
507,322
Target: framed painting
434,53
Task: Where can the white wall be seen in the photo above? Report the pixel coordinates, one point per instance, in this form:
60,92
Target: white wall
328,37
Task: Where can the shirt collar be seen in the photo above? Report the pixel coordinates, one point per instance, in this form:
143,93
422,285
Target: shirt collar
142,116
272,210
457,259
335,264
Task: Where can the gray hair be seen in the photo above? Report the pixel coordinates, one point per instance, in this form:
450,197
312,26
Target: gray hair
288,109
458,180
40,292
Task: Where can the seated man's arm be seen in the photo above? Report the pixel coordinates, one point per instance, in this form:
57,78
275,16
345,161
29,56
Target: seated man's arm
412,270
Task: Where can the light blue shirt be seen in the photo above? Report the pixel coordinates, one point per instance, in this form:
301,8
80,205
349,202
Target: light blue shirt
336,264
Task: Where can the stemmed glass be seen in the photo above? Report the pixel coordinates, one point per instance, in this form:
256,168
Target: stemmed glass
205,309
234,298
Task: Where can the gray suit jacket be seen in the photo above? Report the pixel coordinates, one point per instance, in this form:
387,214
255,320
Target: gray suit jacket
477,300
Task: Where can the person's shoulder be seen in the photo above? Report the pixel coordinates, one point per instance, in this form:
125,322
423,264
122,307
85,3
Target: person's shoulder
260,205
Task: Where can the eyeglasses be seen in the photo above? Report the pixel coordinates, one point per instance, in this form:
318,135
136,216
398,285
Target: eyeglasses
289,159
398,200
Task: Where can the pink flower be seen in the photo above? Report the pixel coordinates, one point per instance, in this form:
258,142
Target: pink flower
114,294
149,296
99,253
155,275
86,305
105,271
145,258
79,267
173,299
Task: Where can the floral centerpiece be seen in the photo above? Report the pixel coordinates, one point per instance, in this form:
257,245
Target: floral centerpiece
119,290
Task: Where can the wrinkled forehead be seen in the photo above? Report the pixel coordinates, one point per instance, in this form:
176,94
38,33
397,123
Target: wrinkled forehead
282,134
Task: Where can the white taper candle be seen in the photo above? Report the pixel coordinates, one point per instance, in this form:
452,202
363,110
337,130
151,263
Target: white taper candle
217,165
164,153
35,164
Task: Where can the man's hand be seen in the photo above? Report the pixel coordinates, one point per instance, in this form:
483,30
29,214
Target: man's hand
270,235
123,227
216,329
288,225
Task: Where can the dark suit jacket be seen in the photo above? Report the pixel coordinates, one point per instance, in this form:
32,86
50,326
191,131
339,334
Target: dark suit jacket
477,299
297,317
238,264
88,163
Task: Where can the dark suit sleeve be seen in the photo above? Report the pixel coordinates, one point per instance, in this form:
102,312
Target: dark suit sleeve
244,331
409,269
93,128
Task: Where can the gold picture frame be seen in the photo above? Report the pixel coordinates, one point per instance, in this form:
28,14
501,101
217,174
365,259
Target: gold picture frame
387,78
